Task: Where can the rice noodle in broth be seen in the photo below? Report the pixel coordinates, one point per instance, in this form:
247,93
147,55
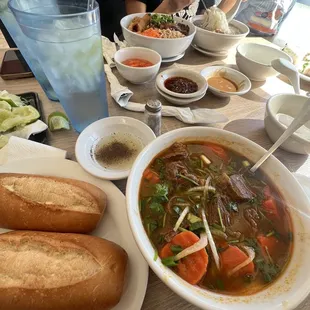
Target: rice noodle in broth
215,20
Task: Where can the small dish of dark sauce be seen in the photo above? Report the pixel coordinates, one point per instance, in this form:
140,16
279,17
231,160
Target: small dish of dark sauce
181,85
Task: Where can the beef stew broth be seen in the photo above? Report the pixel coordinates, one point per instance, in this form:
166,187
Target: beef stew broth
245,214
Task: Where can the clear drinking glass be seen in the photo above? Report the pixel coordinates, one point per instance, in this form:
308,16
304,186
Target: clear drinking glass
66,38
21,41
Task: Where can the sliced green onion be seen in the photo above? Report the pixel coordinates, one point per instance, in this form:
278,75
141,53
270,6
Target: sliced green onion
233,241
270,234
169,261
176,249
155,255
183,229
221,219
164,220
245,164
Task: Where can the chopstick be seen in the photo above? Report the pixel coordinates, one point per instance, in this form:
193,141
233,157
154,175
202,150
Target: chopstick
203,3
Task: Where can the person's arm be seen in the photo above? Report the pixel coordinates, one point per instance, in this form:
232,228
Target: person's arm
172,6
226,5
134,6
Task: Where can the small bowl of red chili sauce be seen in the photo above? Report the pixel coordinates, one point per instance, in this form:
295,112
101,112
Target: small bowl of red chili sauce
137,65
181,83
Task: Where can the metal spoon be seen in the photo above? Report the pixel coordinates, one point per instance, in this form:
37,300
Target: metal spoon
302,117
233,12
287,68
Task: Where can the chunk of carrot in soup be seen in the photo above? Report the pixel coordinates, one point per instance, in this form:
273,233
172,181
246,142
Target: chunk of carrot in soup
231,258
270,206
271,244
217,150
151,176
193,267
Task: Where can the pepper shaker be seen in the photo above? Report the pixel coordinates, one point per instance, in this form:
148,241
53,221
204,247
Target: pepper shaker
152,116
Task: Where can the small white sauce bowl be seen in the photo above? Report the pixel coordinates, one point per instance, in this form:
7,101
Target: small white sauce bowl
91,136
243,83
254,60
137,75
192,75
290,105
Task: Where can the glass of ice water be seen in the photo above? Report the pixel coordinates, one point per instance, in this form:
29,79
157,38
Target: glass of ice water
65,36
21,41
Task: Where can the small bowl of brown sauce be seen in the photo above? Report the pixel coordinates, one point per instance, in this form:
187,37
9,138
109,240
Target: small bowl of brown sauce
225,81
108,147
181,83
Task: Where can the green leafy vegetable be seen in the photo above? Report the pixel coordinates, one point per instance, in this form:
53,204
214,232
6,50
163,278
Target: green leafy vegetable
161,191
193,218
269,271
159,165
196,226
213,168
176,249
157,208
151,225
158,19
169,261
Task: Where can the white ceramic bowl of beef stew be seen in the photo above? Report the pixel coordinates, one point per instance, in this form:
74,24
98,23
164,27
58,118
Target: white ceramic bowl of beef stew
292,287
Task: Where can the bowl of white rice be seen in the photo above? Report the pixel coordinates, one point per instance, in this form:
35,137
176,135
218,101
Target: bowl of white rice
215,34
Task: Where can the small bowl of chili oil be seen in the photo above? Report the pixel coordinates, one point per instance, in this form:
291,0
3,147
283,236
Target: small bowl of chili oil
181,83
108,147
137,65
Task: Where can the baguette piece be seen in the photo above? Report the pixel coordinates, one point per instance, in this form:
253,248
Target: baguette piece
45,271
34,202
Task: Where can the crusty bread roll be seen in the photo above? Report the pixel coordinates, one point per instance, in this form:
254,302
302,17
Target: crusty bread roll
45,271
34,202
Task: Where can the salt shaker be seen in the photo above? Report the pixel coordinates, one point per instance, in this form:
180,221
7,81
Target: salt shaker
152,116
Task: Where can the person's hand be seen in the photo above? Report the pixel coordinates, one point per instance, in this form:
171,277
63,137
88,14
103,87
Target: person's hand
178,5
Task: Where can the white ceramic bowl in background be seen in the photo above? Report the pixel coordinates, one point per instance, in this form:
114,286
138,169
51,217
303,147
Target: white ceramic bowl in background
254,60
180,101
290,105
104,128
218,42
294,284
243,83
189,74
137,75
167,48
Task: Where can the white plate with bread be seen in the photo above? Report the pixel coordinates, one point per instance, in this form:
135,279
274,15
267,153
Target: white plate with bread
50,262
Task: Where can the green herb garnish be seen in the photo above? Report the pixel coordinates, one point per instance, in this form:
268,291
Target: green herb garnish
169,261
157,208
176,249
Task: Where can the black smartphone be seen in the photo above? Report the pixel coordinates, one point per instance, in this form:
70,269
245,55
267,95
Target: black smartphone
14,66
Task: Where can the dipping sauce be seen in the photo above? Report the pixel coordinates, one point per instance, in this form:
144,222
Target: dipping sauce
118,151
181,85
222,84
137,63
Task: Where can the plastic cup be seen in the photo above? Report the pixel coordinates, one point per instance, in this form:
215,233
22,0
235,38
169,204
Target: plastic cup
66,38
